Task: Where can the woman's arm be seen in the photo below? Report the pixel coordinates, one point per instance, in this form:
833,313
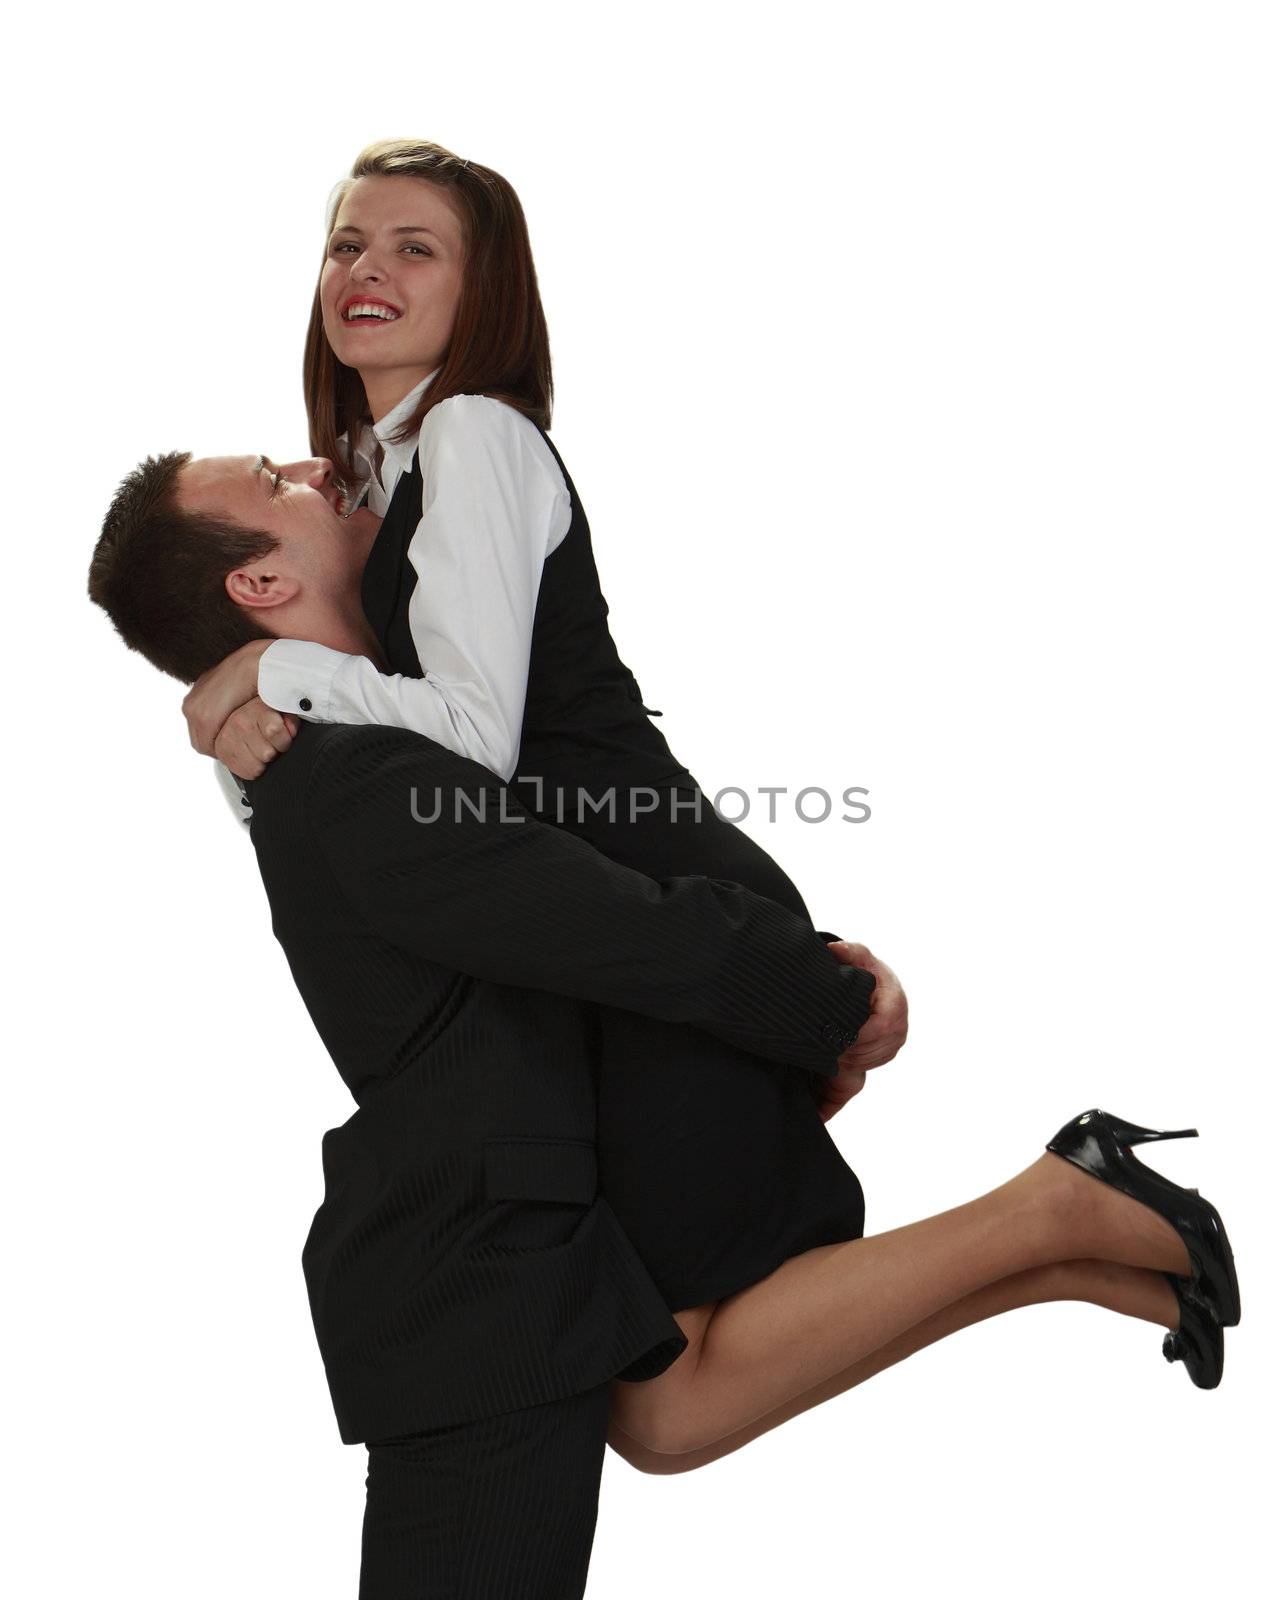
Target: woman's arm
494,508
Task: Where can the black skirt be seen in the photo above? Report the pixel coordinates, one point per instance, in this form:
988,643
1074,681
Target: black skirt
715,1161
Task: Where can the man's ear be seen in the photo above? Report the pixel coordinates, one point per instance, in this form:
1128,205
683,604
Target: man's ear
258,588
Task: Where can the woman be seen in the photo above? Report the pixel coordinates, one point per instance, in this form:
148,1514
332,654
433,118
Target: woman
429,391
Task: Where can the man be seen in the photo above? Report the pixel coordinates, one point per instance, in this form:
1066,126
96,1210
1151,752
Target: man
468,1283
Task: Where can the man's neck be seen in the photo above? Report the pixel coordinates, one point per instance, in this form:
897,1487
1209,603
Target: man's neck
339,627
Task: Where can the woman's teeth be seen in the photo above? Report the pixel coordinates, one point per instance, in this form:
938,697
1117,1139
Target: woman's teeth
381,313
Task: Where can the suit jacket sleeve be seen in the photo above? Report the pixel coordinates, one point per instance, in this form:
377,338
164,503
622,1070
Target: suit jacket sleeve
439,857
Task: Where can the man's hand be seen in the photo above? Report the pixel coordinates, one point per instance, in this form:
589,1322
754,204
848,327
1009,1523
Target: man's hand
252,736
834,1094
882,1034
219,692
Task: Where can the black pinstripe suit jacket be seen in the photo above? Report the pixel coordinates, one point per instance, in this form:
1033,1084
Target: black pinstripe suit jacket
462,1261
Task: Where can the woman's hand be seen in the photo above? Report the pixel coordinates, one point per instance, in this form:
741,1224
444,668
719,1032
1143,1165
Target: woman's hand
219,692
252,736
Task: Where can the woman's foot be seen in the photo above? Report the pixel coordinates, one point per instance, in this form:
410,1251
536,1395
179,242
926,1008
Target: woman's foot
1132,1291
1084,1216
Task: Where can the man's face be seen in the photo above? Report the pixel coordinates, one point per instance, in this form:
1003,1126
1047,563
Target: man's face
319,552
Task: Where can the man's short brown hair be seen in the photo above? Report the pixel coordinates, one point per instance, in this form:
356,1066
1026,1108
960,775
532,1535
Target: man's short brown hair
159,573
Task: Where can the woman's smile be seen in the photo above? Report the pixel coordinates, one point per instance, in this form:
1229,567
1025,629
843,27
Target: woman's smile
368,310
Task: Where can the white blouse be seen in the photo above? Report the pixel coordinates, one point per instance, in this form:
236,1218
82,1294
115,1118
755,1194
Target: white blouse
494,508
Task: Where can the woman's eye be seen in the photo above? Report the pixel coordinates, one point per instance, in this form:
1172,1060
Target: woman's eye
337,248
422,248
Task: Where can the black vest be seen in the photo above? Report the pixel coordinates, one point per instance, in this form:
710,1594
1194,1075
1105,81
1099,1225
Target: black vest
585,721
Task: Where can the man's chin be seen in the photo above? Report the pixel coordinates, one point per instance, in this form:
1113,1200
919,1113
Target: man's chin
363,524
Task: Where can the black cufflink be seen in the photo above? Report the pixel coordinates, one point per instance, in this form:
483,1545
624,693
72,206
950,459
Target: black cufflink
307,704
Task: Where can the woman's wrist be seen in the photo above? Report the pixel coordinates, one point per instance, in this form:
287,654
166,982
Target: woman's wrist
248,658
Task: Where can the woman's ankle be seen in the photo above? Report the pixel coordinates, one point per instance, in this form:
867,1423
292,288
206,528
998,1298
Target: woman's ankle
1139,1292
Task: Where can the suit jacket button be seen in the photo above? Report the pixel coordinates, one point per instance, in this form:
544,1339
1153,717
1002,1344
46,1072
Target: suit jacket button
307,704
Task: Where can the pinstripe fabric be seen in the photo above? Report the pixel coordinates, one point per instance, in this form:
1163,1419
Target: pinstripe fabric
502,1508
690,949
425,954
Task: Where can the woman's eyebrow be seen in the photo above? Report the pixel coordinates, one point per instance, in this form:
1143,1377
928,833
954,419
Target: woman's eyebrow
411,227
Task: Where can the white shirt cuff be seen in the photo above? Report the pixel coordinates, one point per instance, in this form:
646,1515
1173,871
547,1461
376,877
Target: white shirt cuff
234,795
296,675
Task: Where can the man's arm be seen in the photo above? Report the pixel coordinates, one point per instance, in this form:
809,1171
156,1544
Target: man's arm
438,856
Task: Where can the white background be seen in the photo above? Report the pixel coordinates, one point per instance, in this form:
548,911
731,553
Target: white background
913,365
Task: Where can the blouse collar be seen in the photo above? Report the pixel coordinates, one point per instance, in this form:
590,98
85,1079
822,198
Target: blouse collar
397,456
392,420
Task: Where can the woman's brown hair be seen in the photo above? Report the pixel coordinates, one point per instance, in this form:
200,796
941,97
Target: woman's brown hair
499,344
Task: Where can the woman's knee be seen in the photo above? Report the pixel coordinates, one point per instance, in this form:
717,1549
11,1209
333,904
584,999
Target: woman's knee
664,1431
656,1463
657,1416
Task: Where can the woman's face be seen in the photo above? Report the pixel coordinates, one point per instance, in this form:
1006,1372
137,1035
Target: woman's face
391,283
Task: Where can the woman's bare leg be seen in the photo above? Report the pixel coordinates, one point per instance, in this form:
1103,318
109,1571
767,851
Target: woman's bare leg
829,1308
1133,1291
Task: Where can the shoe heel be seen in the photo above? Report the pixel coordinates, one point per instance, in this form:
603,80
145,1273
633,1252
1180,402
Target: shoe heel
1130,1133
1100,1144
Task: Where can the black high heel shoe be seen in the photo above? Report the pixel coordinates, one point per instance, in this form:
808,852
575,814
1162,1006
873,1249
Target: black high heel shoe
1199,1340
1100,1143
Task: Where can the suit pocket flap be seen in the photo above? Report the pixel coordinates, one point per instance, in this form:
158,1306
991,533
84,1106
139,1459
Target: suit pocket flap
541,1169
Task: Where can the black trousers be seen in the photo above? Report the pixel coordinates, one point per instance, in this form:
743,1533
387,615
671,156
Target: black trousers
503,1508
